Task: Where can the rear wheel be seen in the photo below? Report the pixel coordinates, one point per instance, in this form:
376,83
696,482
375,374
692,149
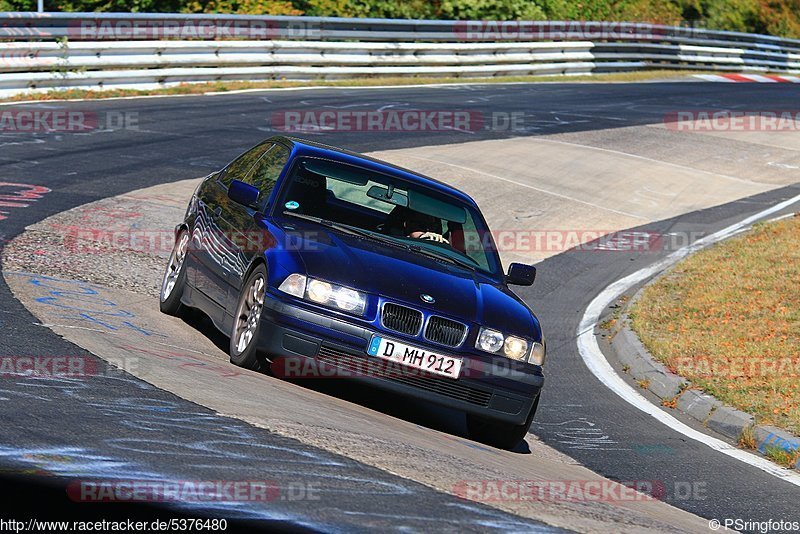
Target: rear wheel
247,321
175,277
501,435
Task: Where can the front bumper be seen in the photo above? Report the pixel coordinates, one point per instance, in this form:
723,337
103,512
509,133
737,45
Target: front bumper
303,343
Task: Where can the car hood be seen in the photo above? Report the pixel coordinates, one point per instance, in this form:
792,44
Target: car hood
403,275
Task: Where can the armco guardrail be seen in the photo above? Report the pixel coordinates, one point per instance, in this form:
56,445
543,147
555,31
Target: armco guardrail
89,50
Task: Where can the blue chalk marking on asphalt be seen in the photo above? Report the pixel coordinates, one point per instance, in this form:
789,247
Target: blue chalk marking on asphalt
85,303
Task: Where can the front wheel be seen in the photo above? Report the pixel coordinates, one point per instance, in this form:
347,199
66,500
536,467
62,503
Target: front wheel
175,276
247,321
501,435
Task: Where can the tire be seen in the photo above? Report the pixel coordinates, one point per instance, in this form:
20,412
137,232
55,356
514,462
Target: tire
175,277
247,322
500,435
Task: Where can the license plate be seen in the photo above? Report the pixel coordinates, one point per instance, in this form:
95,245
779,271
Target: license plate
415,357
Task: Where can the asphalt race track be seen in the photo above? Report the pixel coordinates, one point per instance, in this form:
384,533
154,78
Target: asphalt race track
57,430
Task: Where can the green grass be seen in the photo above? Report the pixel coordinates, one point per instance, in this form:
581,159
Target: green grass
211,87
728,320
782,456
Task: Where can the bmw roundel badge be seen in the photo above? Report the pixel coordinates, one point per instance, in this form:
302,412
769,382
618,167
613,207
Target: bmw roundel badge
427,298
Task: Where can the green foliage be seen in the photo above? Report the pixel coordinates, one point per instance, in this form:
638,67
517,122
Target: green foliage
17,5
410,9
779,17
121,6
733,15
243,7
490,9
654,11
775,17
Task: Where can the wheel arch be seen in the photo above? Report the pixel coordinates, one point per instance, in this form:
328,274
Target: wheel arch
258,260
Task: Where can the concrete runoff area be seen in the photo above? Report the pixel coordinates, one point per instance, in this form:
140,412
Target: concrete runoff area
172,355
549,184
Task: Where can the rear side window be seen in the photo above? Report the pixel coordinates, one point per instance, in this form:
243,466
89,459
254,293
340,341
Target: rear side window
238,168
265,174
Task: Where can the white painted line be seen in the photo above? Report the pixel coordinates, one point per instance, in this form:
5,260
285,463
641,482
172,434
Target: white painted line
761,79
782,217
599,366
658,161
521,184
713,78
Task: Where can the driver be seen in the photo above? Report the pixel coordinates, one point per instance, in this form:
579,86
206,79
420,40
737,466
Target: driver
422,226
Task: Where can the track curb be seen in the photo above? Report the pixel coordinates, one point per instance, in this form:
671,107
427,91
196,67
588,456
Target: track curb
655,377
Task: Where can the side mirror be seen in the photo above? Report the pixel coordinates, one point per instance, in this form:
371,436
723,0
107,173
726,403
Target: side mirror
244,194
520,274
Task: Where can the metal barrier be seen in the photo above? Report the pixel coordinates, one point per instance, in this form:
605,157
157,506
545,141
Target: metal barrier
40,52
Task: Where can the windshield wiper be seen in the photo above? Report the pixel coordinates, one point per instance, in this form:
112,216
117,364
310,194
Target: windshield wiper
342,227
319,220
441,256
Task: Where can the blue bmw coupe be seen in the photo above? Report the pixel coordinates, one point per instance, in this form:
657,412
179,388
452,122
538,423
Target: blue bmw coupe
317,262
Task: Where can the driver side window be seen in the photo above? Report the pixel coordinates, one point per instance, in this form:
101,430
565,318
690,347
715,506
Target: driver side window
265,173
238,168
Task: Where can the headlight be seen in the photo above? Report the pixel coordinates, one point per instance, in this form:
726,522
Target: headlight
319,291
489,340
512,347
349,299
325,293
515,348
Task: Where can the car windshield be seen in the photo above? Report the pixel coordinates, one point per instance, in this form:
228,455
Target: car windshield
389,209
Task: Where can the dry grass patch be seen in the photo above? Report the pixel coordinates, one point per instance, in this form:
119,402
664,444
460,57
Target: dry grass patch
728,319
212,87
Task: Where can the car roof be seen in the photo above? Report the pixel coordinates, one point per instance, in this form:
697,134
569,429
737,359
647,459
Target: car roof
303,147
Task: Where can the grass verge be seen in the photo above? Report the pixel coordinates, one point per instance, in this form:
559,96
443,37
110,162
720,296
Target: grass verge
221,87
783,457
728,319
